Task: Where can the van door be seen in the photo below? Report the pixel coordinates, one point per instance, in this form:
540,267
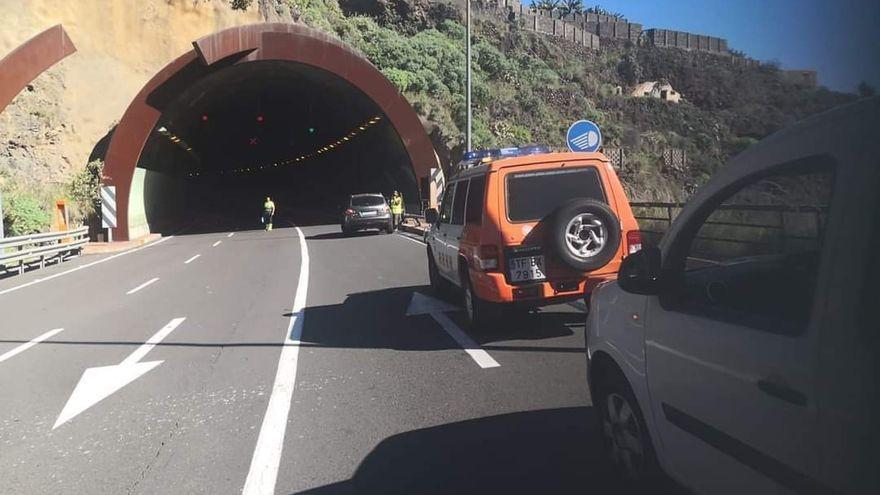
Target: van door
731,345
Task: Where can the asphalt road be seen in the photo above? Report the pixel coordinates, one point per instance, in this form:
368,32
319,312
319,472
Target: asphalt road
165,377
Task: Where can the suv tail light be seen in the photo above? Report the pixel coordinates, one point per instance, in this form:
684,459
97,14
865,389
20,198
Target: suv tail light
349,212
633,241
486,257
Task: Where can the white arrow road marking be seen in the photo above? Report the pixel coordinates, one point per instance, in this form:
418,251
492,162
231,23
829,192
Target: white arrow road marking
422,304
27,345
97,384
139,287
267,454
191,259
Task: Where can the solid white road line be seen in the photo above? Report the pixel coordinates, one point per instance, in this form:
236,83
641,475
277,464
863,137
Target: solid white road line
267,454
420,243
139,287
216,244
483,359
191,259
231,234
28,345
50,277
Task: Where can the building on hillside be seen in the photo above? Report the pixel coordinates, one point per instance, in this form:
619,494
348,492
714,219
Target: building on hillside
803,78
654,89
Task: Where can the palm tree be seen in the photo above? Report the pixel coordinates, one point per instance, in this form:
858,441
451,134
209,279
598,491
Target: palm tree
548,5
570,7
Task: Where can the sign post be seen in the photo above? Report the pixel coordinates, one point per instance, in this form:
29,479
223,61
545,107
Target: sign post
1,215
108,210
584,136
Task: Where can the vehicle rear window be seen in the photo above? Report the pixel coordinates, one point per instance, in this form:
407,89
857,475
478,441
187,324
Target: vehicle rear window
533,195
367,201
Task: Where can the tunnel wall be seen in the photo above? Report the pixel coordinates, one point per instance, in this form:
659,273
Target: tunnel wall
155,198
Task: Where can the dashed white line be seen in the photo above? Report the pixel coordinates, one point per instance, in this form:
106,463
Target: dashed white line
231,234
216,244
50,277
28,345
267,454
191,259
139,287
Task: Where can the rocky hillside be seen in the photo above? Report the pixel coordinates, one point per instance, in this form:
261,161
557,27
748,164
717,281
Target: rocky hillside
528,87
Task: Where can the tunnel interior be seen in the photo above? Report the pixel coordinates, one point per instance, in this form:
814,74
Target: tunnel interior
294,132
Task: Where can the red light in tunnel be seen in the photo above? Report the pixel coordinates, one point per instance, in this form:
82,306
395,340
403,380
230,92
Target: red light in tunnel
204,118
260,119
253,141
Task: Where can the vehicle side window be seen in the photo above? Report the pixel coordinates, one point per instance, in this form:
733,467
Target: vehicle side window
754,260
460,200
446,206
474,211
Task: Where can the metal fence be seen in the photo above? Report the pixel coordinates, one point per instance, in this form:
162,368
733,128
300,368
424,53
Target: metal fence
17,253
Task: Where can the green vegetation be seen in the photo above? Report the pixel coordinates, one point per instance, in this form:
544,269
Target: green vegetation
84,191
23,214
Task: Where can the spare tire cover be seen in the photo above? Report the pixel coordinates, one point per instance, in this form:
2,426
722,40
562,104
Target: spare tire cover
584,234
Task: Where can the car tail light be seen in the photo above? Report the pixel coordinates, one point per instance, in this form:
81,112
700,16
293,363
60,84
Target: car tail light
486,257
349,212
633,241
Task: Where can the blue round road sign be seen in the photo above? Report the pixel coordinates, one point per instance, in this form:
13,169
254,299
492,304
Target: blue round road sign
584,135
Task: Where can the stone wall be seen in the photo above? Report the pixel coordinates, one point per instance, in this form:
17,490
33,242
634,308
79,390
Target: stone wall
541,22
687,41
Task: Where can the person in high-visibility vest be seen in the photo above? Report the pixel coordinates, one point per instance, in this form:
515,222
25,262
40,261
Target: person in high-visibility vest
396,209
268,212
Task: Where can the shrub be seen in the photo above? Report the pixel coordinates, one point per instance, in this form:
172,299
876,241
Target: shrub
83,190
23,214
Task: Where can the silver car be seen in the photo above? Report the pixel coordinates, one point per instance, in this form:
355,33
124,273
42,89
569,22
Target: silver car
367,211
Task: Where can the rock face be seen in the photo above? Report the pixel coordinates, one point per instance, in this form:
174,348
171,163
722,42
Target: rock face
55,124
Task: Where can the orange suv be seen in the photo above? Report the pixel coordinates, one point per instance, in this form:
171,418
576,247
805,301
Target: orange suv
522,227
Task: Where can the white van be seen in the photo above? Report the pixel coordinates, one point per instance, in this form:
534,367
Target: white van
741,355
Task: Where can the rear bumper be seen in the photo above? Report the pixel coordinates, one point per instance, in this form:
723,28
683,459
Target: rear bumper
378,222
494,288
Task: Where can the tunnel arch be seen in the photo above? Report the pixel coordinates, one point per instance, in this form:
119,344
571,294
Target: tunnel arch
294,43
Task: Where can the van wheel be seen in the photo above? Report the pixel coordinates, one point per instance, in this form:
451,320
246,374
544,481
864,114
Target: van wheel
585,234
477,312
624,431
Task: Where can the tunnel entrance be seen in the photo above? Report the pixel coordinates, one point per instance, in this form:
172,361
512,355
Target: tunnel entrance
276,110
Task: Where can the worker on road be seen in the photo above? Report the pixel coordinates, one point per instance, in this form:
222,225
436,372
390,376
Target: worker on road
396,209
268,213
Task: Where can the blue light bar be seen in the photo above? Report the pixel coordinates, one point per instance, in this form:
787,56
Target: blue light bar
504,152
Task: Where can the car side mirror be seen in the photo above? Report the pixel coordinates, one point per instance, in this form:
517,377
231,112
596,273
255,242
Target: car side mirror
640,272
432,215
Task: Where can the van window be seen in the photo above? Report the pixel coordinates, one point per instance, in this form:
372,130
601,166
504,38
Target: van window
534,195
474,210
458,205
446,206
754,260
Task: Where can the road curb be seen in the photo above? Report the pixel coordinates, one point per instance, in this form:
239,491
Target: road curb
115,247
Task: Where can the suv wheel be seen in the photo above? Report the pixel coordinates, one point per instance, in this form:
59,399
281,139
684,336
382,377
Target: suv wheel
438,283
585,234
476,310
625,433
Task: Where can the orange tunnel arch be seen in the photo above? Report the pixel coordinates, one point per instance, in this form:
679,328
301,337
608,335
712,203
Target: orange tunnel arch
244,44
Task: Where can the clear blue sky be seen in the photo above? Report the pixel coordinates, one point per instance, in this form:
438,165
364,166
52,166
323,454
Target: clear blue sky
840,39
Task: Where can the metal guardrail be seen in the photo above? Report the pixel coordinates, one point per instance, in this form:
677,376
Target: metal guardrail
18,252
665,213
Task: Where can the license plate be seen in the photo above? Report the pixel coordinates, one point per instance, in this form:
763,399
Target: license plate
368,213
527,268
